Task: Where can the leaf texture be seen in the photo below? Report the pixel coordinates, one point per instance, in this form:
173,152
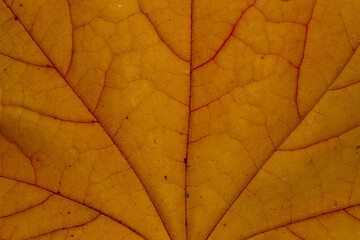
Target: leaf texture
195,119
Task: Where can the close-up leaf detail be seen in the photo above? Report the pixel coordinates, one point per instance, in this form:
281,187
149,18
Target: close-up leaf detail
180,119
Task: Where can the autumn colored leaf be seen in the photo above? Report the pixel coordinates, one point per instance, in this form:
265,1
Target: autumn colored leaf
180,119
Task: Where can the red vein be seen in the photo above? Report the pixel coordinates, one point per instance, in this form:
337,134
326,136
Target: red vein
76,201
189,113
64,228
305,219
351,215
276,149
226,39
107,133
296,235
319,142
25,62
72,39
22,153
301,62
27,209
25,108
342,87
158,33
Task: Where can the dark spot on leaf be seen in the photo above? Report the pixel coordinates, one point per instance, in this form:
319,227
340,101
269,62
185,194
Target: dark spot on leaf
4,69
20,5
224,224
68,212
16,18
165,177
187,195
262,57
127,117
200,196
358,147
72,235
185,160
155,142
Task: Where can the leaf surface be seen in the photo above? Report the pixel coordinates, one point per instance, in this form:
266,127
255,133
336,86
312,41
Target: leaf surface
180,119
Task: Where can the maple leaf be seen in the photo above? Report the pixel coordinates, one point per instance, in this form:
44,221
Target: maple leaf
234,119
